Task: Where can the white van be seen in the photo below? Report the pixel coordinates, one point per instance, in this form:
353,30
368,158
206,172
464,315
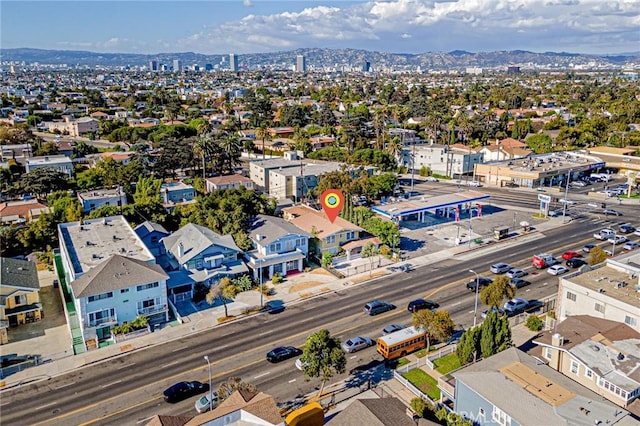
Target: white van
604,177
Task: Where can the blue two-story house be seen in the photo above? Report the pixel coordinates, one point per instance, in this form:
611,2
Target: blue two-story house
279,247
196,254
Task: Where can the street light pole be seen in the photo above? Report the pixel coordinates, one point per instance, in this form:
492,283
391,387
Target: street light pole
475,309
566,196
260,278
206,358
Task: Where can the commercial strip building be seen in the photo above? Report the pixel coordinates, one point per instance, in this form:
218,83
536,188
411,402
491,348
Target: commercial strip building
538,170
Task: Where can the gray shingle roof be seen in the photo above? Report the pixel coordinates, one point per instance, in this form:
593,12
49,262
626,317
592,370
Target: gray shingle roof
117,272
195,239
373,412
272,228
149,227
18,273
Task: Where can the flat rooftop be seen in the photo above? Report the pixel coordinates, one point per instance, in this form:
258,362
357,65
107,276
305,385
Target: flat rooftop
554,161
404,207
101,193
92,242
608,276
308,169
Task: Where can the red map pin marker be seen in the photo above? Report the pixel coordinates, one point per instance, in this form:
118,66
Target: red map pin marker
332,202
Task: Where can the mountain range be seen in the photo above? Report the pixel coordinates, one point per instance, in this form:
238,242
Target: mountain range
327,57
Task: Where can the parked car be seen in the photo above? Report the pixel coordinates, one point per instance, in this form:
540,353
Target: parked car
631,245
637,232
611,212
473,183
377,307
431,179
604,234
357,343
418,304
587,247
575,262
515,306
626,228
557,270
516,273
471,285
570,254
495,309
533,305
500,268
282,352
183,390
618,239
202,403
511,185
567,202
519,282
391,328
578,183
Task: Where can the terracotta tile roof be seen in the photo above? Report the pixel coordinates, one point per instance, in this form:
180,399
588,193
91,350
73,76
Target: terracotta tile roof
361,243
20,208
512,143
159,420
309,219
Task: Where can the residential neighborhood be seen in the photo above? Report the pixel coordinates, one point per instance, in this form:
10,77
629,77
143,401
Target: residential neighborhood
173,217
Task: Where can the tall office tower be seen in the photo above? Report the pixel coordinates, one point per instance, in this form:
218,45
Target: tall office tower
366,67
177,65
301,63
153,65
233,62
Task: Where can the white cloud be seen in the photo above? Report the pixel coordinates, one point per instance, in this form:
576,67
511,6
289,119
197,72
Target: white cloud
432,25
247,3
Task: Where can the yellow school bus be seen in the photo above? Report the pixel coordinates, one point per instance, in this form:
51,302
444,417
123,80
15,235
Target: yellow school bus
402,342
308,415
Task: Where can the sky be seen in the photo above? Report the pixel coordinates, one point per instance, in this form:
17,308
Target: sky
257,26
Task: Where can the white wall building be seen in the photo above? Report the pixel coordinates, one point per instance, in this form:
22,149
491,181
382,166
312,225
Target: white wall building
57,162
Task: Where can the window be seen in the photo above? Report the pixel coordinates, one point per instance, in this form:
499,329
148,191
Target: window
20,300
588,373
599,307
100,296
330,239
547,353
147,286
154,240
571,296
575,367
124,290
481,411
500,417
632,321
100,317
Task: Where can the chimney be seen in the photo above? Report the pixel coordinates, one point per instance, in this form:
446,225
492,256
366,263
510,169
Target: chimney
557,340
180,250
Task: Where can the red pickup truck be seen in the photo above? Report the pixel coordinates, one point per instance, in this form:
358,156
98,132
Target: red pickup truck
543,260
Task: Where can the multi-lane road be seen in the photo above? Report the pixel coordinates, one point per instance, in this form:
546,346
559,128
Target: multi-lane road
128,389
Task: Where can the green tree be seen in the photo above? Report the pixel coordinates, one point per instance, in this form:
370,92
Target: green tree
495,335
327,258
539,143
438,325
222,291
322,356
233,384
468,346
597,255
493,294
43,181
370,251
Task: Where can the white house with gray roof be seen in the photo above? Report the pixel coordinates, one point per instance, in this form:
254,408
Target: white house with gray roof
196,254
111,275
600,354
279,247
513,388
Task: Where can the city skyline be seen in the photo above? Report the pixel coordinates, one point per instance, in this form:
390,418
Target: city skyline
259,26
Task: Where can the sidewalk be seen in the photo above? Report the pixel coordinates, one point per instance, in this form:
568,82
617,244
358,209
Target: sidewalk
294,290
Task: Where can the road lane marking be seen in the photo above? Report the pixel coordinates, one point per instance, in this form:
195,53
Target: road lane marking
233,370
144,420
456,304
177,350
353,357
266,332
46,405
111,384
292,380
126,365
64,386
170,364
262,375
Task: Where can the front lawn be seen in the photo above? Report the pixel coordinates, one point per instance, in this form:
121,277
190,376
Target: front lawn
447,363
427,384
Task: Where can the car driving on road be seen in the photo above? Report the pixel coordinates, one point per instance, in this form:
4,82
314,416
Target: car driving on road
377,307
519,282
557,270
202,403
516,273
482,281
183,390
282,352
500,268
575,262
357,343
391,328
419,304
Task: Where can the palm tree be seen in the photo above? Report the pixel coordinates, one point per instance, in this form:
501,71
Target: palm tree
262,133
231,148
394,148
202,148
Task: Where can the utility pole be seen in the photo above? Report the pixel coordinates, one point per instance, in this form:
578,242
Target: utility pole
566,195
